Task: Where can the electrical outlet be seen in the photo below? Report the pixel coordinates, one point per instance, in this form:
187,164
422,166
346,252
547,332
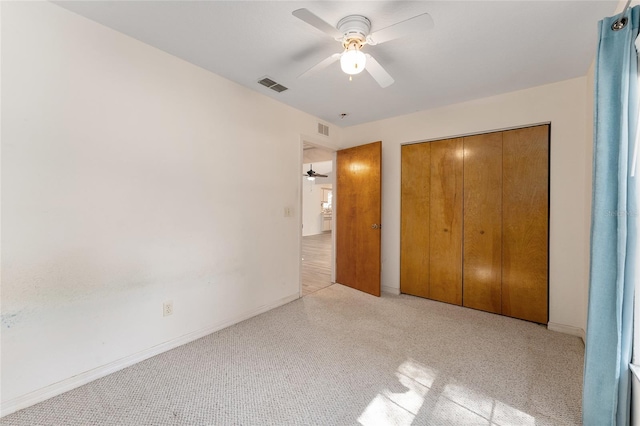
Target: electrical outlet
167,308
288,212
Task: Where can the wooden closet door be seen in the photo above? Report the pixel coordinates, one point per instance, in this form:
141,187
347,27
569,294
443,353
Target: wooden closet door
525,204
445,273
414,225
482,235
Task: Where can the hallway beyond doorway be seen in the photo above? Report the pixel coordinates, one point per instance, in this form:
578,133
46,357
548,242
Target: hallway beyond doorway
316,262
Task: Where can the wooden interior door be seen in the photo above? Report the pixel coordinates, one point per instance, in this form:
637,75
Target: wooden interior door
525,212
445,221
482,235
358,214
414,223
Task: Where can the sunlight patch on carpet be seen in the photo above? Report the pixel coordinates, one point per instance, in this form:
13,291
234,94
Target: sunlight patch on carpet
400,408
454,403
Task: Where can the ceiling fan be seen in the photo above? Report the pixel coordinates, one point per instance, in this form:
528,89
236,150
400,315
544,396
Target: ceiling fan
354,32
311,175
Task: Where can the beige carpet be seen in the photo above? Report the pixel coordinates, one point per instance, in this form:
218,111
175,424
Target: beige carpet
340,357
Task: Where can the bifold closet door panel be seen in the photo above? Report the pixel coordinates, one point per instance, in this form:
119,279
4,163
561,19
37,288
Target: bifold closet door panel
525,212
482,216
414,226
445,263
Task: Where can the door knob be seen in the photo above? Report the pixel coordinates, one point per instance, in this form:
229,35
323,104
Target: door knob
376,226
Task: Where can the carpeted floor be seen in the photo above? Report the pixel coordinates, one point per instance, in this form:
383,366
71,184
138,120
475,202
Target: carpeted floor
340,357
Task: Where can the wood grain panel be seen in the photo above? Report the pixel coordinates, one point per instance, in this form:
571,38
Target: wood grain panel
482,235
445,260
525,204
358,197
414,223
346,216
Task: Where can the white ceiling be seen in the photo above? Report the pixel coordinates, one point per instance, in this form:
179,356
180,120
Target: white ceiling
314,154
477,48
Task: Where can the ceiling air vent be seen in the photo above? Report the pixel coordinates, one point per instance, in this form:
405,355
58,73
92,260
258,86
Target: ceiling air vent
323,129
267,82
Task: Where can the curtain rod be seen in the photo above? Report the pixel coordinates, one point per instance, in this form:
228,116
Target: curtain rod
621,22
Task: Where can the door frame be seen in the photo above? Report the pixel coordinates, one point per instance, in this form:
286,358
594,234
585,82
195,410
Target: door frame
326,145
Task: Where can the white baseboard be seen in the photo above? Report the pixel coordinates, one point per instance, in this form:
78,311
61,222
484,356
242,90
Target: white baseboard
567,329
390,290
32,398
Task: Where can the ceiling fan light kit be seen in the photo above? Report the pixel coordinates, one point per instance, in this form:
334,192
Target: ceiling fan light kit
354,31
353,61
312,175
353,27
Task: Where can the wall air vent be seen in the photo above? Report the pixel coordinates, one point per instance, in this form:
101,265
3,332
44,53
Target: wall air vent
267,82
323,129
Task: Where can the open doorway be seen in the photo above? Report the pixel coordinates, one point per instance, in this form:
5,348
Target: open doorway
317,218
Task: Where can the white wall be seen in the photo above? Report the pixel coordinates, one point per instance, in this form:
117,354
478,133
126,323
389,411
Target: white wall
126,182
564,105
588,166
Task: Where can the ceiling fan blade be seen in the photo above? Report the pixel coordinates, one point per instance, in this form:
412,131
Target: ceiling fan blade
307,16
321,65
378,73
418,23
319,175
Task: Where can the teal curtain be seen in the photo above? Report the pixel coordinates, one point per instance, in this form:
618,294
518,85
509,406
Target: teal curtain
614,232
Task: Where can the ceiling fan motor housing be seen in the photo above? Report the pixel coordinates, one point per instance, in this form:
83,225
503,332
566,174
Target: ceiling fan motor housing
355,28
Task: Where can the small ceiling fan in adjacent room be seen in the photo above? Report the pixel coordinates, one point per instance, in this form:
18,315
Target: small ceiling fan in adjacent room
311,175
354,32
